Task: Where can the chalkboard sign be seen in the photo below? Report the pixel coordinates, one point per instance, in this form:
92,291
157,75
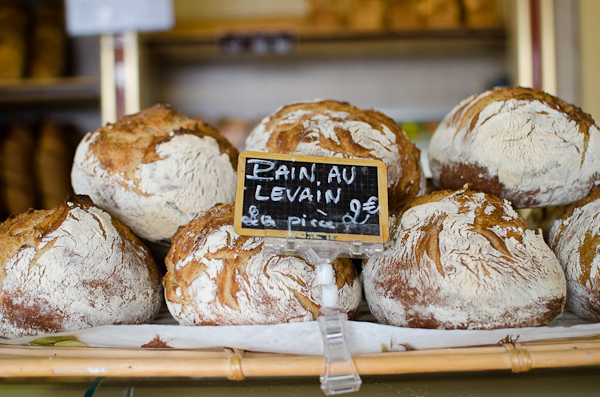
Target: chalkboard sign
284,195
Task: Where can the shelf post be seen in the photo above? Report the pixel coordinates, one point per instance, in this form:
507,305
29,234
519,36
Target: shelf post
119,75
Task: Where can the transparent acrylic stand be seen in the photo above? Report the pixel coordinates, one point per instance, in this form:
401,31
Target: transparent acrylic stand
339,375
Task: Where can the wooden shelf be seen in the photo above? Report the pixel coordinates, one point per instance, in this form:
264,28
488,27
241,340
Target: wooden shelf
55,92
292,37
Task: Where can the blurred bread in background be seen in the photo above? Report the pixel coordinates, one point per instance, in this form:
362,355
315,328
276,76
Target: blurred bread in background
48,41
381,15
481,13
326,13
17,149
440,14
35,165
367,14
33,40
52,161
13,40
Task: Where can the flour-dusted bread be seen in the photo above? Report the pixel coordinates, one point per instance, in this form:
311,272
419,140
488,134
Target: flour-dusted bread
217,277
155,170
575,240
70,268
525,146
464,260
338,129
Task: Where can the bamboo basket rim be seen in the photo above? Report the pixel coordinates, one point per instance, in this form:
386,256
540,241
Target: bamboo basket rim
237,364
26,361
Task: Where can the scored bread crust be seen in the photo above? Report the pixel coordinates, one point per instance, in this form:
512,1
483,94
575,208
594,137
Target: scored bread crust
337,129
575,240
522,145
464,260
217,277
155,170
70,268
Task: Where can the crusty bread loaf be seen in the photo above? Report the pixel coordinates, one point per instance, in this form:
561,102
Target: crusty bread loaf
155,170
73,267
575,239
520,144
217,277
338,129
464,260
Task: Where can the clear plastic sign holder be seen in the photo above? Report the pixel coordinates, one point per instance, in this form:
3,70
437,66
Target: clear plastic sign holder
339,374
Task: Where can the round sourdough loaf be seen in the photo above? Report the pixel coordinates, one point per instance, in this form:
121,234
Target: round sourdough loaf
575,239
155,170
522,145
464,260
217,277
338,129
70,268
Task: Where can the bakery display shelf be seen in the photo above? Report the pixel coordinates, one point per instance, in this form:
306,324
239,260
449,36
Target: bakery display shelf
234,364
56,91
277,37
120,358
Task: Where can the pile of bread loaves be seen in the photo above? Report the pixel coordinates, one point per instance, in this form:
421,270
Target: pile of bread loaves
460,257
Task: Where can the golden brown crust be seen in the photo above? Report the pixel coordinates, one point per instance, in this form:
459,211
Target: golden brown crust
23,312
484,221
584,120
286,136
595,195
193,238
525,124
464,263
133,139
188,238
31,227
559,228
575,240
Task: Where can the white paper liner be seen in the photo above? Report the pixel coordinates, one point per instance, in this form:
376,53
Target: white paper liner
305,338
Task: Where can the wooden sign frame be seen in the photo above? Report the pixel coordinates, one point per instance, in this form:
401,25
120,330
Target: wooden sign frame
281,233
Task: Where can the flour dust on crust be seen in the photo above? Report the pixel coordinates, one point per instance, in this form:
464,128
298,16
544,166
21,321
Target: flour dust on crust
464,260
217,277
73,267
337,129
575,240
522,145
155,170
